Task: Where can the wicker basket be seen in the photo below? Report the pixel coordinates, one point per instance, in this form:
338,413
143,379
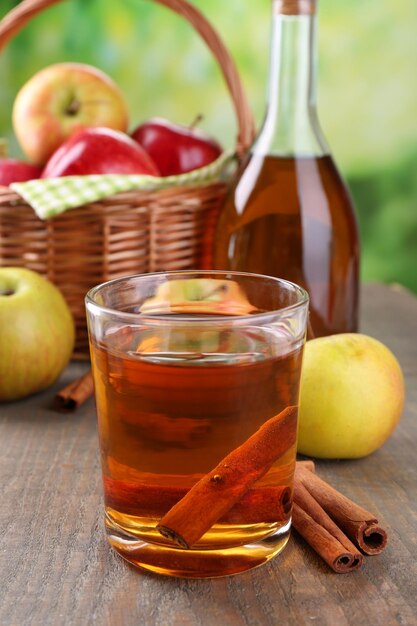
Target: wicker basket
128,233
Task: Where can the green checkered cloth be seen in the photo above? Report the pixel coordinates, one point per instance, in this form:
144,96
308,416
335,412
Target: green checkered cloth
53,196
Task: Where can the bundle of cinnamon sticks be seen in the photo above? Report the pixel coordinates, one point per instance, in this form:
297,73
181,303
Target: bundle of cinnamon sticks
339,530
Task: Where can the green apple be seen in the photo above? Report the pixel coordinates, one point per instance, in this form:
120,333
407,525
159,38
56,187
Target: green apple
60,100
36,333
351,396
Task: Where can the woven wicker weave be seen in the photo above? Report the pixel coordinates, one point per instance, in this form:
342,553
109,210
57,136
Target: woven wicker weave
131,232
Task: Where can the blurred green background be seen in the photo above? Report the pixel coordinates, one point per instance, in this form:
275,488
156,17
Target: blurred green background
367,91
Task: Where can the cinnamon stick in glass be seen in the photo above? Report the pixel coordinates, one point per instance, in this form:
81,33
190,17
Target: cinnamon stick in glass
265,503
260,504
75,394
215,494
356,522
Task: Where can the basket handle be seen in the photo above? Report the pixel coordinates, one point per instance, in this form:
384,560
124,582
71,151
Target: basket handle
18,17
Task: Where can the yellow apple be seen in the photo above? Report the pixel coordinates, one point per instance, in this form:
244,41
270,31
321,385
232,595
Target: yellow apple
36,333
61,99
351,396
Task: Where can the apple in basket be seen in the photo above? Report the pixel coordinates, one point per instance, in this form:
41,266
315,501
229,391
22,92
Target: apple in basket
15,171
61,99
174,148
99,151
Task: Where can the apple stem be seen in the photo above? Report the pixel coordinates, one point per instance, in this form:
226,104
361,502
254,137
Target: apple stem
73,107
199,118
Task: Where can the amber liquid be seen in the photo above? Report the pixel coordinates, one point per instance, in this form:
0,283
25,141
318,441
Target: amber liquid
293,218
168,417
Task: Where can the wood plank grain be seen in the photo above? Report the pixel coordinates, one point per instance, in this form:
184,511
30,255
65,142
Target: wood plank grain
56,568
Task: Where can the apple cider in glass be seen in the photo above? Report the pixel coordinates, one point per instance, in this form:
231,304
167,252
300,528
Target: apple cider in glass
196,396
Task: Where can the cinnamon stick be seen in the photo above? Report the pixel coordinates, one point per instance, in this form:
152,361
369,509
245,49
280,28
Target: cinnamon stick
75,394
321,533
268,503
308,464
356,522
261,504
322,542
215,494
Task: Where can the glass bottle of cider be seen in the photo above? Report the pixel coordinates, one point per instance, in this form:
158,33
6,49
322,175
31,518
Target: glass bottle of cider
289,213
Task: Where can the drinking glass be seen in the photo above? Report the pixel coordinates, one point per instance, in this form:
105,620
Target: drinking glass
196,378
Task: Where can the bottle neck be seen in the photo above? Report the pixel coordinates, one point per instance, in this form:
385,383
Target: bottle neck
291,125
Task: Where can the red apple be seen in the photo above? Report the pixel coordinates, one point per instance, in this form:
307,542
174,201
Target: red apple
61,99
14,171
99,151
176,149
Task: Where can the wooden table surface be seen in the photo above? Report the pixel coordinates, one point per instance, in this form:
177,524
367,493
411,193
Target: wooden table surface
57,569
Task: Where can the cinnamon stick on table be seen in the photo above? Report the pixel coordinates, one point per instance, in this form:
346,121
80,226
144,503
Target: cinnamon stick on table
215,494
321,532
356,522
75,394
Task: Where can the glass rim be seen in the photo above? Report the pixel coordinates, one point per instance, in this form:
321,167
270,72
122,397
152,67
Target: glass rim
169,320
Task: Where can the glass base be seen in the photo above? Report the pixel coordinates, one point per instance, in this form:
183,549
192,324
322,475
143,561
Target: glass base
196,563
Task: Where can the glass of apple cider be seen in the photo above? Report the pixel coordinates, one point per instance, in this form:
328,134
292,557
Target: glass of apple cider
196,380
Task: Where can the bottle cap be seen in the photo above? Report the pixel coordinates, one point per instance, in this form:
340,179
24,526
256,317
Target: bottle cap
295,7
